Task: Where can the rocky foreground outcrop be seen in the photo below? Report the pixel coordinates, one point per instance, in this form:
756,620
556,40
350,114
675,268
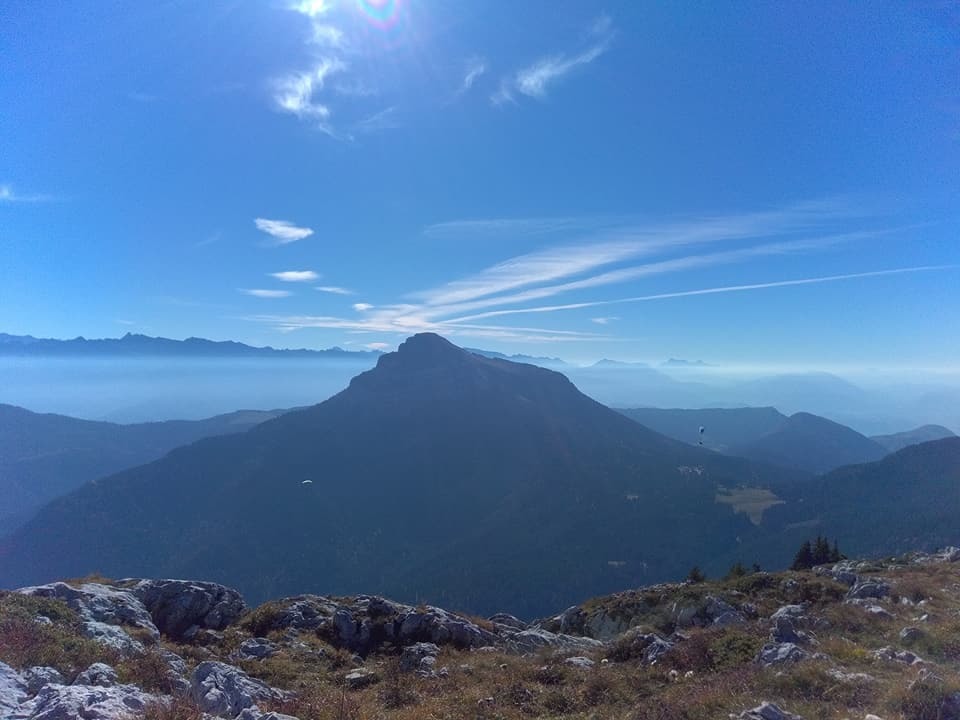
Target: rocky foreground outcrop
876,635
364,623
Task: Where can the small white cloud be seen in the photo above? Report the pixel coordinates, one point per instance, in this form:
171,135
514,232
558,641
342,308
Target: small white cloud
533,81
125,322
333,290
266,293
311,8
295,92
377,345
602,26
475,68
536,79
327,35
8,195
362,307
603,320
282,231
295,275
503,93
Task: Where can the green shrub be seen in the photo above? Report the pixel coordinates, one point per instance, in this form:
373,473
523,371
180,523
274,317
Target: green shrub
61,644
262,620
732,649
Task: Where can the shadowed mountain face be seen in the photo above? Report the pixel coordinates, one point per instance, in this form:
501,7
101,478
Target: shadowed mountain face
911,496
812,443
802,441
723,428
440,475
44,456
925,433
908,500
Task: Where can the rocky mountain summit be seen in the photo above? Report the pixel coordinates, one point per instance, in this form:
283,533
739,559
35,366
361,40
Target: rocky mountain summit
856,639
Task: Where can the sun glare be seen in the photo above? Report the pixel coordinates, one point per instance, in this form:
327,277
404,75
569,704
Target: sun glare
382,13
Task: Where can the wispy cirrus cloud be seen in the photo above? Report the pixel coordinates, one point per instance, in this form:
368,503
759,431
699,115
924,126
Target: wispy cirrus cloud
536,79
622,255
385,119
334,290
625,243
673,265
295,275
712,291
300,93
8,195
260,293
283,232
297,93
475,68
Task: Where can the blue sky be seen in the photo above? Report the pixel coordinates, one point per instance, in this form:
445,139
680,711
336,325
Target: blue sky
761,183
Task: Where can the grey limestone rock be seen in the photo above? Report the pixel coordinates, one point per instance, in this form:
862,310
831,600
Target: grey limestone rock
414,656
103,610
87,702
791,611
13,690
99,603
768,711
775,653
177,606
865,589
508,621
254,649
901,656
534,639
37,677
225,690
360,678
97,674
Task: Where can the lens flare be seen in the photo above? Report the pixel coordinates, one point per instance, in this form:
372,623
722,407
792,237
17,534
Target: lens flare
383,13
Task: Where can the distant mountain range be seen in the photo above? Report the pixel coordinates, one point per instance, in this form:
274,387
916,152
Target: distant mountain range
133,344
812,443
679,363
44,456
925,433
528,359
439,475
801,441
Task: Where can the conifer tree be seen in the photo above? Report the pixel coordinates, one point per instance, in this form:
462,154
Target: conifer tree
821,551
803,560
835,554
737,570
